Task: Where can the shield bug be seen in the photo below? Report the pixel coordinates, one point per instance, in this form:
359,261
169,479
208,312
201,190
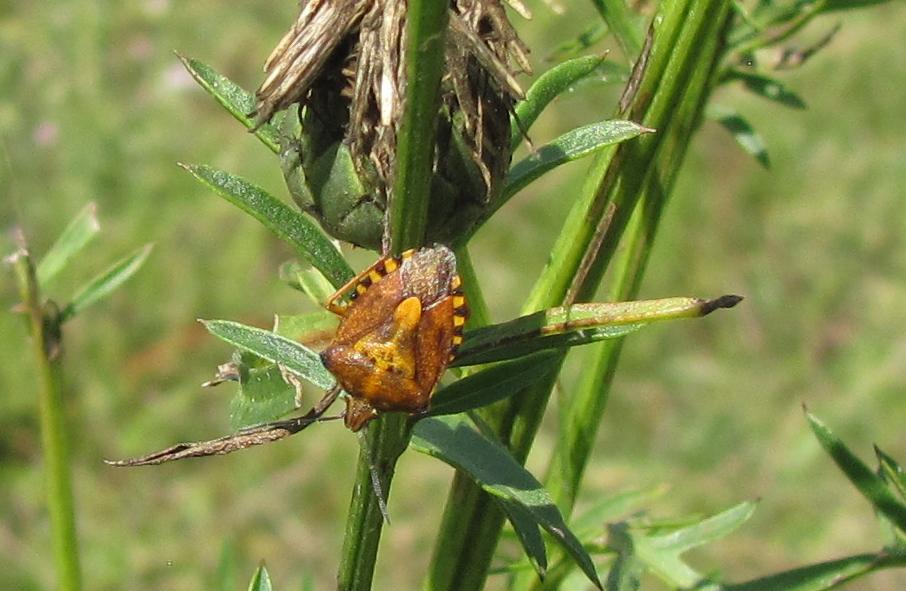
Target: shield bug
401,325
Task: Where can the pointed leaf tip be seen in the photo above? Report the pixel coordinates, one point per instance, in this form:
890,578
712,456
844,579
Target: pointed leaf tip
727,301
261,581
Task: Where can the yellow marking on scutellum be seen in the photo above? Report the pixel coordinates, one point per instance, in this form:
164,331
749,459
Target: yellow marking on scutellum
408,254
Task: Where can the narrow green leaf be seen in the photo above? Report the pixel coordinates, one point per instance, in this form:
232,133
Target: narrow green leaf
289,225
313,326
667,565
815,577
622,22
492,384
529,535
546,88
453,440
261,581
263,396
766,86
742,131
584,41
865,480
83,227
267,345
308,280
237,101
577,325
892,472
106,282
570,146
705,531
591,522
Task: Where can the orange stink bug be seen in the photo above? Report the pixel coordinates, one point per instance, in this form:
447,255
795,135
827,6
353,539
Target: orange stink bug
400,327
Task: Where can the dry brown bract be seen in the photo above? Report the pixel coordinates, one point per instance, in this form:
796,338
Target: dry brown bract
351,50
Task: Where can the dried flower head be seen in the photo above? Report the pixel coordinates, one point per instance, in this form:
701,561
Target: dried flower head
342,63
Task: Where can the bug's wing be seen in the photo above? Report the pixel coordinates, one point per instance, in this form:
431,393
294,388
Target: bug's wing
370,309
434,345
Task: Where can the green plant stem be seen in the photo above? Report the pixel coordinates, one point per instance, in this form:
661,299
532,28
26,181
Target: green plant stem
388,436
43,324
386,439
425,34
471,521
584,411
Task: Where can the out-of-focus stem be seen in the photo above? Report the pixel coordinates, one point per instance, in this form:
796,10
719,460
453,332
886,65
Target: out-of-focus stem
43,324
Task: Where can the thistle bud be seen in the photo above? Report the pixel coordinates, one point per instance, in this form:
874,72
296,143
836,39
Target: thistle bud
342,64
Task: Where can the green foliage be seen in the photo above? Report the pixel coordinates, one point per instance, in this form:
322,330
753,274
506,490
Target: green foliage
573,145
293,227
261,581
44,321
872,486
106,282
236,100
527,346
83,227
452,440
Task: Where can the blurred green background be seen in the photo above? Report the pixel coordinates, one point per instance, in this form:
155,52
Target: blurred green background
95,107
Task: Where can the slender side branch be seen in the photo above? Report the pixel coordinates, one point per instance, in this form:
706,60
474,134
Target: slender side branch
44,326
258,435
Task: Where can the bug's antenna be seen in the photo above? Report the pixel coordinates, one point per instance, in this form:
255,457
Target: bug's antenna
375,478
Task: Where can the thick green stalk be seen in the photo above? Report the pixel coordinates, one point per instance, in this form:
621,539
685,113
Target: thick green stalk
425,33
588,242
388,436
43,323
586,407
580,419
